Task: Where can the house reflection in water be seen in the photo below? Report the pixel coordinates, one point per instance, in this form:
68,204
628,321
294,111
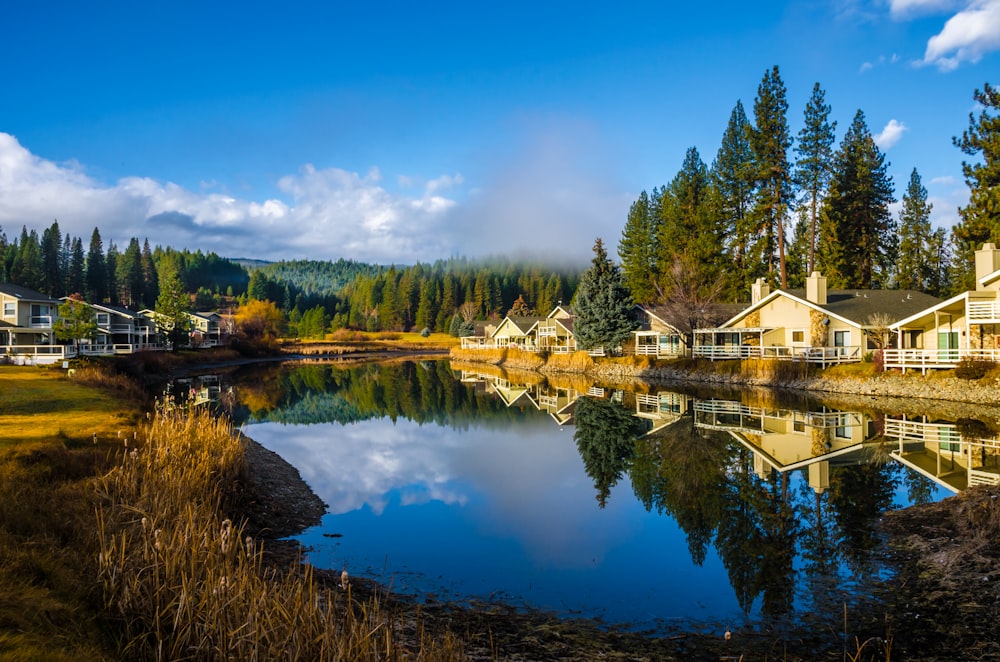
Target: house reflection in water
200,390
556,401
662,408
784,440
943,453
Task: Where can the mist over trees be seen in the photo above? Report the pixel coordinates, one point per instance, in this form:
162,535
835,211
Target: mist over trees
314,297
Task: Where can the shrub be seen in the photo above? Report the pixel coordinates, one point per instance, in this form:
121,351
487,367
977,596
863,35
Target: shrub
973,368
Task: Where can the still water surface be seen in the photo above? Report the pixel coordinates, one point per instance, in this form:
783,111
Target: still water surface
652,509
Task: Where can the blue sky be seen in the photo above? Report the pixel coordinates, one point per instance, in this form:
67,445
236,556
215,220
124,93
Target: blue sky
397,132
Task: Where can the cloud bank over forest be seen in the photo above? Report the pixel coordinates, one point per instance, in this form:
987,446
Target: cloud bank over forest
328,213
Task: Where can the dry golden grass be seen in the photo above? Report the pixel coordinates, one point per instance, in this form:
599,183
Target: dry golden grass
491,356
185,583
55,434
574,362
851,371
522,359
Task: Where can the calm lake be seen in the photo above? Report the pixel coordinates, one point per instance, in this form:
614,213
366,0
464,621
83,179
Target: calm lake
655,509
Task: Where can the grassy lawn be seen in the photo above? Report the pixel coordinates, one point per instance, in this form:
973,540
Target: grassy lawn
38,405
48,459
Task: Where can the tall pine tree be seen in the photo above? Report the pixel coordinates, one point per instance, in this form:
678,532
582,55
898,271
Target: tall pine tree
51,248
75,272
915,264
981,217
639,248
689,224
97,270
733,175
770,140
858,223
814,165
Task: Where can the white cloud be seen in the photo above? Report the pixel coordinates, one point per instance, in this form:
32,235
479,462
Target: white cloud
944,180
906,9
966,37
880,61
548,197
329,213
890,135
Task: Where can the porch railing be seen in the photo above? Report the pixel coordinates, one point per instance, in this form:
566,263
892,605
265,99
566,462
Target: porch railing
820,355
930,359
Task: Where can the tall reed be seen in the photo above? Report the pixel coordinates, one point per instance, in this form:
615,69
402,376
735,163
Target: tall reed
184,583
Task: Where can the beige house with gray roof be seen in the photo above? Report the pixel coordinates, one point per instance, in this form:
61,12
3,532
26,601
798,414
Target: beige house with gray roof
815,324
964,327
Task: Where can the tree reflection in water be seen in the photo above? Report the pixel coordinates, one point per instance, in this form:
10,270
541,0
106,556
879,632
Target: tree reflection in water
782,495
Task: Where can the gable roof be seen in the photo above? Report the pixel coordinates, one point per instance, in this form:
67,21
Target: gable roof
661,313
930,310
25,293
710,313
125,312
854,306
566,310
522,324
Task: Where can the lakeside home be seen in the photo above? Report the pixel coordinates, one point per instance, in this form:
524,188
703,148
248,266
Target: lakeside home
28,320
119,331
552,333
814,324
655,335
961,328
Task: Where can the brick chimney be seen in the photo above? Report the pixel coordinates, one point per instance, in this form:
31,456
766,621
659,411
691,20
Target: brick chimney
987,261
816,289
759,290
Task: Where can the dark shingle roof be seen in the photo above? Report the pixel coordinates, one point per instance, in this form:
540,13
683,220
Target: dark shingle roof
859,305
25,293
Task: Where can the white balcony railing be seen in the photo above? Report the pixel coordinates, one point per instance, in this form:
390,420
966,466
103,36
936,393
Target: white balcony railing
983,311
40,322
820,355
929,359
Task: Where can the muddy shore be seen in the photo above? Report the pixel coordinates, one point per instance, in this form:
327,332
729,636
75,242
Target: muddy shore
943,602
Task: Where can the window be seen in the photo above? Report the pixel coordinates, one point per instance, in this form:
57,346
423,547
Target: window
103,319
9,309
798,336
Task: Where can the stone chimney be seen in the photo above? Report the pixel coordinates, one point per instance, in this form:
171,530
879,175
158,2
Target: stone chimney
987,261
759,290
816,289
